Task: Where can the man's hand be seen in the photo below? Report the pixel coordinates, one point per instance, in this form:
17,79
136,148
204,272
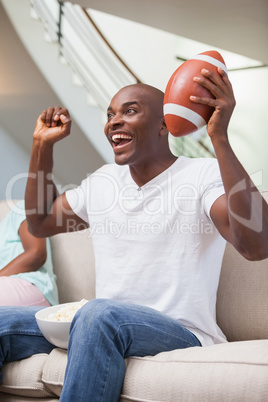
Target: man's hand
224,102
52,125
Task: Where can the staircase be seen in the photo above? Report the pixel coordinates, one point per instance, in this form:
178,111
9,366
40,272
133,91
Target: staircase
81,66
95,65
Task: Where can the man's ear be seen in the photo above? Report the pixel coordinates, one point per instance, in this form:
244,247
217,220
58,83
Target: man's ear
163,129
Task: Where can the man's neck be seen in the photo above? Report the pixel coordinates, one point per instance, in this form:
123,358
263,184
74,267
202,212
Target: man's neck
142,174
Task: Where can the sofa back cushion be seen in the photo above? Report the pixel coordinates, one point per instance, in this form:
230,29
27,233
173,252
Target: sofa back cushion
242,301
74,265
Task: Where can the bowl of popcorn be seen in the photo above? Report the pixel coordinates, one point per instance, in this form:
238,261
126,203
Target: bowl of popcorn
54,322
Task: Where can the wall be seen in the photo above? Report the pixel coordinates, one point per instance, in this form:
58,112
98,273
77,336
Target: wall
14,167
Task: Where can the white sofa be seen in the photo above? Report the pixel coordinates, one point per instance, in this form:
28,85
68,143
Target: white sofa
235,371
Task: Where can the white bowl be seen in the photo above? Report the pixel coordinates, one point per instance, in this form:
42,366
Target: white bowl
56,332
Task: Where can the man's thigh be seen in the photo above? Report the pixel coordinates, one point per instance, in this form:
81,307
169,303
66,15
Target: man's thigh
153,332
142,330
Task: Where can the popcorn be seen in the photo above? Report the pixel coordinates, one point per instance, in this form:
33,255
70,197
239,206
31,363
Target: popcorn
67,313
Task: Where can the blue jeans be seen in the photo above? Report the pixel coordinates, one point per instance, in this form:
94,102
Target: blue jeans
102,334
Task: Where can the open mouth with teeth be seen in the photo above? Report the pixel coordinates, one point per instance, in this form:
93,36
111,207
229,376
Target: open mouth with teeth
121,139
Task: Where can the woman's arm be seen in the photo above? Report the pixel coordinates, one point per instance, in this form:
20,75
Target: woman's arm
33,257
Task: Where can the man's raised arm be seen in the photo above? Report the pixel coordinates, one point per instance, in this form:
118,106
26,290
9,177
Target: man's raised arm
47,212
241,216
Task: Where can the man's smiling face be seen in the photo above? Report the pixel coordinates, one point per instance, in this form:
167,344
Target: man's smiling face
133,124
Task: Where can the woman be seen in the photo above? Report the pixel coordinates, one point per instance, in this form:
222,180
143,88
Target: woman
26,272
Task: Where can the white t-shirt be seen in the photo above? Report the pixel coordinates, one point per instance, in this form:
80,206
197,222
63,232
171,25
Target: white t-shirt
156,245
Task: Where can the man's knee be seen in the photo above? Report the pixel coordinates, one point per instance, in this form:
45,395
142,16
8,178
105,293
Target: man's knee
99,312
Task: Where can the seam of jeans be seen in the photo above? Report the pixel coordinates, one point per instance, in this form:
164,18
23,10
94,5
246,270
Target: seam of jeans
9,333
109,359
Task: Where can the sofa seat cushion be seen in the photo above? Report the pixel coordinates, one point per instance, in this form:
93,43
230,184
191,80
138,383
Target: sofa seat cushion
235,371
15,398
24,377
54,370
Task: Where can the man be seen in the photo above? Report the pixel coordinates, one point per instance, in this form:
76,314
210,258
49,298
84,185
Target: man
158,227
